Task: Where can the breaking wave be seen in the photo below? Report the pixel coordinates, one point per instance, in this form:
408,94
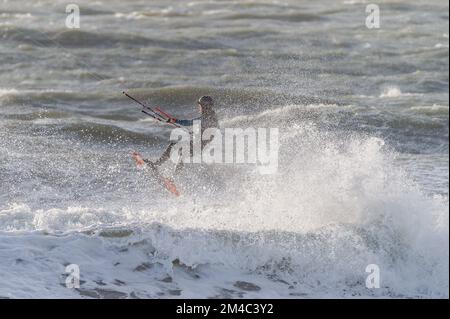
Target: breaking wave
337,204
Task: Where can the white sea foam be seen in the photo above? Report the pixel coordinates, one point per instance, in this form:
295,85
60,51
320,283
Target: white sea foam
17,15
441,45
4,91
391,92
430,109
70,194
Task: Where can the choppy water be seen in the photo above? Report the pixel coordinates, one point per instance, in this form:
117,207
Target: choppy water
363,174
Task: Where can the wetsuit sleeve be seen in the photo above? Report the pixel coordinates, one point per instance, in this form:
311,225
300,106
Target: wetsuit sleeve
187,122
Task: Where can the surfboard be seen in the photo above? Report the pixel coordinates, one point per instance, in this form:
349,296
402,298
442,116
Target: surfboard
153,169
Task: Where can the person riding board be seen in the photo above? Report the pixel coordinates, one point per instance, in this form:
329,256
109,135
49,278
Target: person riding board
208,120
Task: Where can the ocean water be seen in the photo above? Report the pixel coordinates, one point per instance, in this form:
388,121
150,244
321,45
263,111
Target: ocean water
363,177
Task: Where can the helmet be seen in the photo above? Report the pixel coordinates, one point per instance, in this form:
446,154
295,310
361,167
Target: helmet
206,101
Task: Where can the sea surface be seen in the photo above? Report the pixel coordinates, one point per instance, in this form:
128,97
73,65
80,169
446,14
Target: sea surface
363,119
